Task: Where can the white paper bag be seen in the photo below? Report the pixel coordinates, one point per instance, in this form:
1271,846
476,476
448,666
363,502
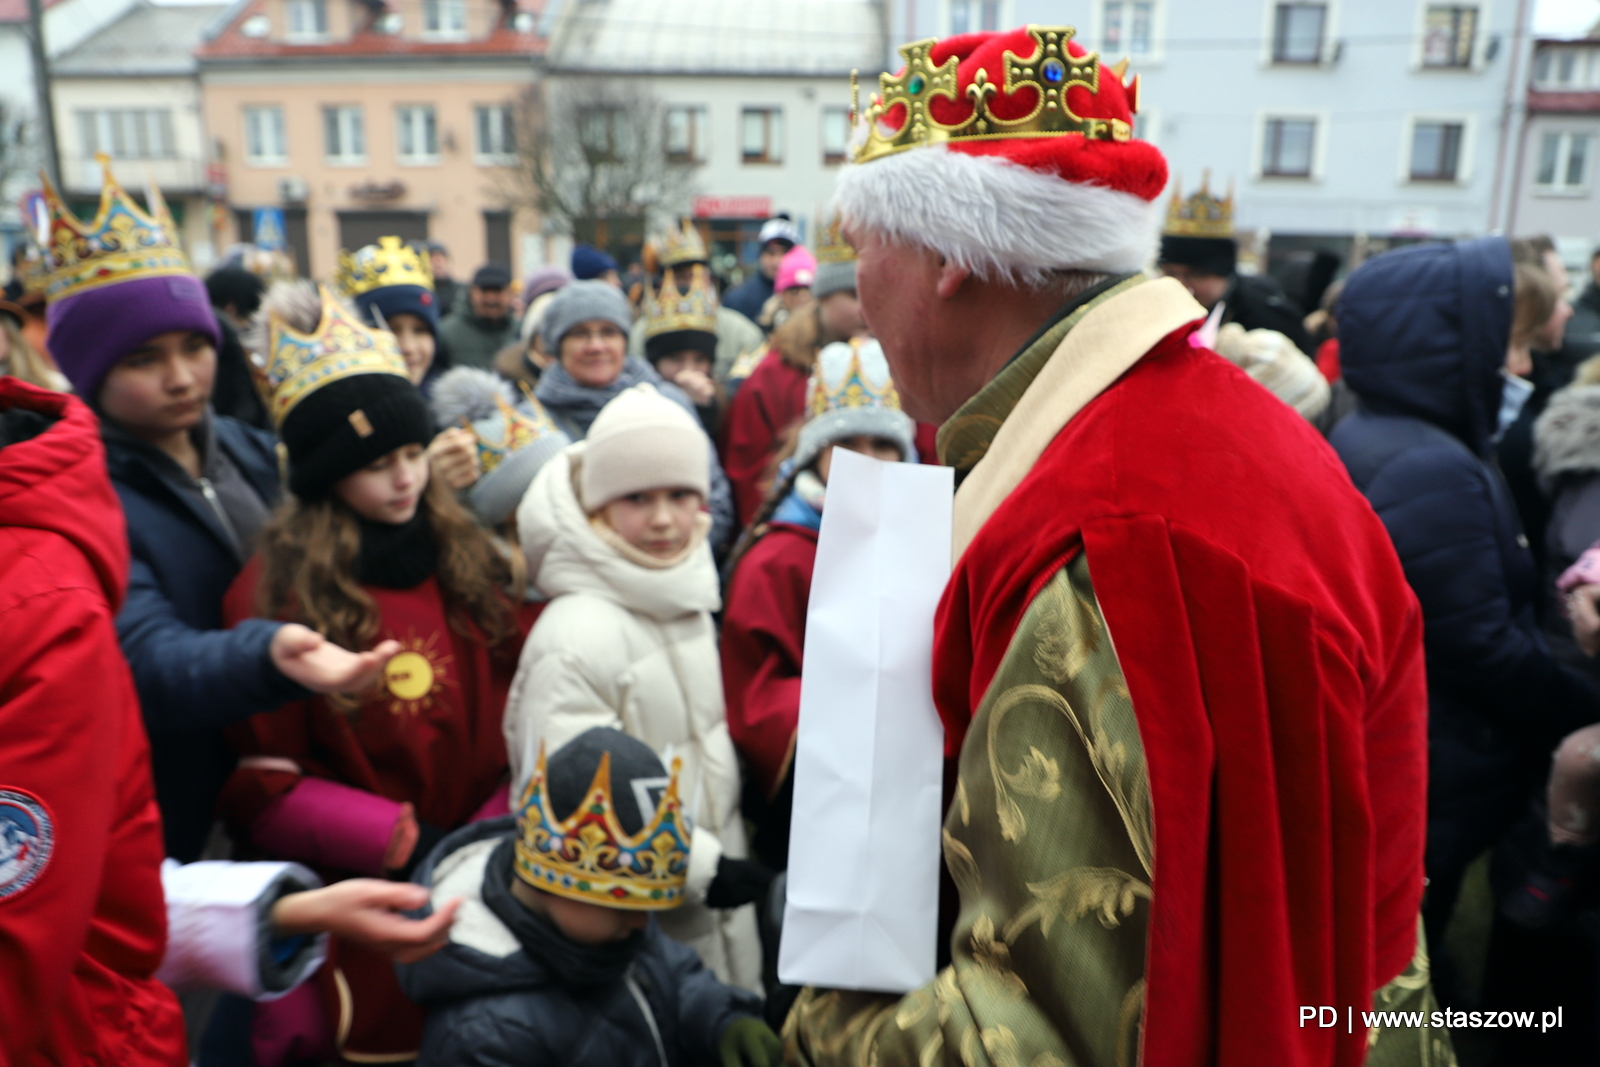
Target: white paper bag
863,889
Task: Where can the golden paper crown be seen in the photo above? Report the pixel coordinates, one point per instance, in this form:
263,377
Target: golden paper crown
834,248
683,245
120,244
588,857
298,364
521,428
1050,70
853,389
695,308
1201,215
389,262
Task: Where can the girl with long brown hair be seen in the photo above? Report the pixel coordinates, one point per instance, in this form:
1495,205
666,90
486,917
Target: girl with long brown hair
368,549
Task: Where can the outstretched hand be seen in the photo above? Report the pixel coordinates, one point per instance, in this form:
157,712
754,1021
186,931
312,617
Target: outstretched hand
367,911
750,1043
305,656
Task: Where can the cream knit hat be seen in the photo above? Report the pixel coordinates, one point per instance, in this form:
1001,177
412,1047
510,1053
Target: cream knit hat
641,440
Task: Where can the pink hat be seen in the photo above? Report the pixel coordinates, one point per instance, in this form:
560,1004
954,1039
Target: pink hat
796,270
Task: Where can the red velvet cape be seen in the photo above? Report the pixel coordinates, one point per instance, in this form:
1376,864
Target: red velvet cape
1273,653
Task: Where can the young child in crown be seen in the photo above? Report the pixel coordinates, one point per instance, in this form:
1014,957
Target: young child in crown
614,530
852,404
369,548
555,958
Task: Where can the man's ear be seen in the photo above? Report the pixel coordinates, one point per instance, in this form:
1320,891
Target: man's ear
951,278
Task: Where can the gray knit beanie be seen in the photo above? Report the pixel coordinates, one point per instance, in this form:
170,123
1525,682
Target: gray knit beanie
834,277
581,302
851,393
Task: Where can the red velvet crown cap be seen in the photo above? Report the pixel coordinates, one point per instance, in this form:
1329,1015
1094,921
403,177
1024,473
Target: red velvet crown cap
1131,166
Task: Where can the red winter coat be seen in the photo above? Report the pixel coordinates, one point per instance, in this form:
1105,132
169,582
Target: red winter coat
82,917
763,639
770,401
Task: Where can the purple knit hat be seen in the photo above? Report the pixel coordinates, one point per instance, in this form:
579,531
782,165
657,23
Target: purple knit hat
90,331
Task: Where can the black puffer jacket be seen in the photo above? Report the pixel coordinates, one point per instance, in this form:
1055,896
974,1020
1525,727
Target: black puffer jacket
1422,336
493,1002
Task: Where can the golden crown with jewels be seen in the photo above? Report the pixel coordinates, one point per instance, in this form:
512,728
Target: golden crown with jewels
669,309
683,245
1050,70
588,857
1202,215
342,346
855,388
389,262
522,428
121,243
834,248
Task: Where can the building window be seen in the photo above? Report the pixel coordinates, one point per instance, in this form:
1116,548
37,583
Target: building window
1128,27
1448,33
1286,148
444,18
835,134
761,135
496,128
344,135
308,19
418,134
684,136
1561,68
1297,33
970,16
597,130
1436,151
264,140
1564,162
128,133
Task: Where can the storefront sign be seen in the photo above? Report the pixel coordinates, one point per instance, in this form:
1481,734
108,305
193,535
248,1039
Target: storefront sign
732,207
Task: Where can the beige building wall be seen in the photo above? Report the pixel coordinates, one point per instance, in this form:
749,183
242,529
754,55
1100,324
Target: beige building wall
455,191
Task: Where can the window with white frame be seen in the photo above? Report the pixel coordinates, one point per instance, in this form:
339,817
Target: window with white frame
264,140
761,134
1566,68
127,133
1564,162
344,135
1297,32
495,132
1448,34
835,134
971,16
684,134
1436,150
444,18
1288,147
417,134
1128,27
308,19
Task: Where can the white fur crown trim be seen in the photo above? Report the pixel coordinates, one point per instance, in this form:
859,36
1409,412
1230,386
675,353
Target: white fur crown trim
997,219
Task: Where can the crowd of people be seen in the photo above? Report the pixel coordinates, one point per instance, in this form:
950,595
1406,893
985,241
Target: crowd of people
420,663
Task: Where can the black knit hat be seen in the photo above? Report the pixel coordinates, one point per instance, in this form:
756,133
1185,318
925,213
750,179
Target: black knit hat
664,344
637,775
1213,255
348,424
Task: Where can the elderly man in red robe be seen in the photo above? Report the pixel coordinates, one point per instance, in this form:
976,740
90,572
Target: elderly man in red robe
1178,665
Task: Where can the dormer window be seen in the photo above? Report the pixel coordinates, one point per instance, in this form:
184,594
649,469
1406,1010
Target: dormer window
308,20
444,19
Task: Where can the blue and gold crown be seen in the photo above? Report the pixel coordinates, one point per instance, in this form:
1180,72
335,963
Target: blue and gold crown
120,244
389,262
298,364
853,388
587,856
522,428
683,245
695,308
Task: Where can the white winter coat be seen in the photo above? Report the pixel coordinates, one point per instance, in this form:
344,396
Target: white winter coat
632,648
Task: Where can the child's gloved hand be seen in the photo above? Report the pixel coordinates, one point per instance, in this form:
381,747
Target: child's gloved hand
738,882
750,1043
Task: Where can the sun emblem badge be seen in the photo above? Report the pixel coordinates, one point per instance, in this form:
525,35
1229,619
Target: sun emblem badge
417,673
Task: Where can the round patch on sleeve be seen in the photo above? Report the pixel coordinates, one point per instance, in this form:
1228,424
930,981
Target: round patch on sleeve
27,838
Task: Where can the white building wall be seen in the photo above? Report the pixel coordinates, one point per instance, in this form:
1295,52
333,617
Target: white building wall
185,170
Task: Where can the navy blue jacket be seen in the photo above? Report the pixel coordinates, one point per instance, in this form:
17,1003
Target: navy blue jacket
193,677
1422,340
494,1003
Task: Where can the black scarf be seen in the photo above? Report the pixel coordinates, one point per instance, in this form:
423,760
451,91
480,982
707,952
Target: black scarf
397,556
580,967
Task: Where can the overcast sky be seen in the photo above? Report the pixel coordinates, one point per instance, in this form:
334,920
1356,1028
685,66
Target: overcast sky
1564,18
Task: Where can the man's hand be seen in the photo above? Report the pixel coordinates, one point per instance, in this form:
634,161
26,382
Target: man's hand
701,389
305,656
453,457
1581,606
367,912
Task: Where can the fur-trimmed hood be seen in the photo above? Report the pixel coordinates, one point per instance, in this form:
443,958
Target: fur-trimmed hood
1566,438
